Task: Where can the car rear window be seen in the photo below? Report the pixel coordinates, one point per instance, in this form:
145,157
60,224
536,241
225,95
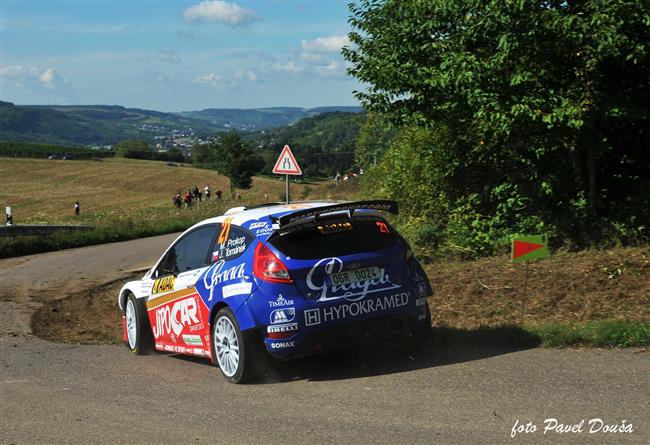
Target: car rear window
336,239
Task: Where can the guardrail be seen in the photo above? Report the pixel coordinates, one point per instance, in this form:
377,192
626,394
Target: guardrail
39,230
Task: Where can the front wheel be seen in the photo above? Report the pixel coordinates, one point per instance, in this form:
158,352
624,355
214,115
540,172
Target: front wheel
138,331
233,351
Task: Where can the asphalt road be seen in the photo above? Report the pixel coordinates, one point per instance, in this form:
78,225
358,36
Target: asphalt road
54,393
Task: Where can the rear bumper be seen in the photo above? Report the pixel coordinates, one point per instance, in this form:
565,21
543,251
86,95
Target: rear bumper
383,330
294,327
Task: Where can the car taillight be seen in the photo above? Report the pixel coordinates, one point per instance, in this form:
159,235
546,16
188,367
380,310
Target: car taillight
267,267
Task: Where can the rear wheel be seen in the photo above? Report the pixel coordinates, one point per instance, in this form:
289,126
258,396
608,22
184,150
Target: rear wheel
138,331
236,353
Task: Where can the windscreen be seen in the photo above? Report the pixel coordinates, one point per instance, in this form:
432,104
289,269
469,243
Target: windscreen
336,239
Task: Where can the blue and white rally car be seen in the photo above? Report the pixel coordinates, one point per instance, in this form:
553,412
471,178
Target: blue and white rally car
287,279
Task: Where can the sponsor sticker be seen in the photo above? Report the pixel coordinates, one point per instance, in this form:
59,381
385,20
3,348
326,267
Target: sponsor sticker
283,344
330,282
236,289
285,315
354,309
216,274
280,302
192,340
164,284
289,327
172,318
258,225
312,317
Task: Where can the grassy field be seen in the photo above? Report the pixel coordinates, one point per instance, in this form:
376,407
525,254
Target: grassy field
123,198
44,191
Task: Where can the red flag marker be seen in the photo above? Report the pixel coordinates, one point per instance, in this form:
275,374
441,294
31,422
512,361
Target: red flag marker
522,248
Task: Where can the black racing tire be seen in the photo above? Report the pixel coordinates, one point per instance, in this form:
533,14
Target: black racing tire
139,336
243,364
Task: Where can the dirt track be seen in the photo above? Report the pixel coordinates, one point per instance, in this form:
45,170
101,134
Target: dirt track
27,282
54,393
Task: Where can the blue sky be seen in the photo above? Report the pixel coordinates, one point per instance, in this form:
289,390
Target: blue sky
175,55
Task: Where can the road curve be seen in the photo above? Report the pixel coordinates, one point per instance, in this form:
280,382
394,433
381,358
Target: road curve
54,393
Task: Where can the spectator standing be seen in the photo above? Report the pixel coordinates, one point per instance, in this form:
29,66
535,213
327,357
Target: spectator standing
177,200
77,208
337,179
208,192
188,199
219,193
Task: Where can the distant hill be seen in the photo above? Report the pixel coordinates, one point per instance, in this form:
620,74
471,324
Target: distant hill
323,144
106,124
260,118
89,124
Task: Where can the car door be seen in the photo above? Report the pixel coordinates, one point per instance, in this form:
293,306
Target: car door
230,276
177,314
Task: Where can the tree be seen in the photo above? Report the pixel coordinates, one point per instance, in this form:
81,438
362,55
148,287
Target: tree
550,96
235,159
133,149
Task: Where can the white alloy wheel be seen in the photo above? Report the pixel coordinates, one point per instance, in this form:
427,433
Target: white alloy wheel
131,323
226,346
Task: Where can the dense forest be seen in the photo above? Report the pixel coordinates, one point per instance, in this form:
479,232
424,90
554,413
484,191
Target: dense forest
506,117
323,144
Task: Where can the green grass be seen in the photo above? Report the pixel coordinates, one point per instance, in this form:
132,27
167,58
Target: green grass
598,334
111,227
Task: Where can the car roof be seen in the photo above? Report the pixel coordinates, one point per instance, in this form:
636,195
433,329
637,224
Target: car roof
243,215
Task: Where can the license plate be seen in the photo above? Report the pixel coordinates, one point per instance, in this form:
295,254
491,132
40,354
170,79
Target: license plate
353,276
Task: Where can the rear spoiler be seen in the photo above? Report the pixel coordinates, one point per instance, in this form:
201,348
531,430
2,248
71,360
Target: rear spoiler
308,216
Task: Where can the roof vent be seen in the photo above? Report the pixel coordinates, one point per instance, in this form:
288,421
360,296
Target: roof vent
235,210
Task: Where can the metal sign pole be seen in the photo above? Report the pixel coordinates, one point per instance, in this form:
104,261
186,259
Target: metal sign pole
286,187
523,306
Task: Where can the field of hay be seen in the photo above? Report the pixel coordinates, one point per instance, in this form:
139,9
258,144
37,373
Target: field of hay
44,191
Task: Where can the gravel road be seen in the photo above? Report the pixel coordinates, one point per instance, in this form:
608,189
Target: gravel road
55,393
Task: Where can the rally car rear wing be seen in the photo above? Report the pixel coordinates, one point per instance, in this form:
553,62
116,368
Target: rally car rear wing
297,220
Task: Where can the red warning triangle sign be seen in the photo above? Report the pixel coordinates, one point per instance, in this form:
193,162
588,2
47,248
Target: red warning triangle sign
286,163
522,248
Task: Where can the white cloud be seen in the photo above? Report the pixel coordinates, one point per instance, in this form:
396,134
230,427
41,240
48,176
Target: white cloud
218,11
47,78
288,66
333,68
331,44
167,55
311,57
211,79
245,75
31,76
41,85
